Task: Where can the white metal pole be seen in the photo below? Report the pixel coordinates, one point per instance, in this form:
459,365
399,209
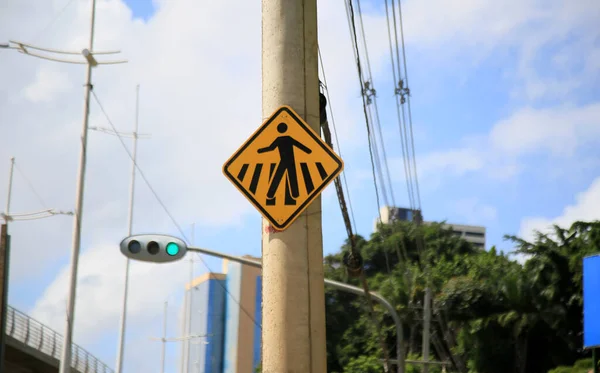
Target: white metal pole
164,341
65,360
10,181
188,330
121,348
183,357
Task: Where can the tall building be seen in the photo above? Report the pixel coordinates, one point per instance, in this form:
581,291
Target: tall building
226,307
242,317
207,318
470,233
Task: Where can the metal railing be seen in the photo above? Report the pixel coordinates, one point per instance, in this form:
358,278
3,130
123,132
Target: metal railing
34,334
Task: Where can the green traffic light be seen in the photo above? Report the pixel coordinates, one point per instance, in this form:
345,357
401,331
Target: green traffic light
172,248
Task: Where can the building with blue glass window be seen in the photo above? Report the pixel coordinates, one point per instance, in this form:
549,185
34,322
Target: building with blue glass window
242,321
226,307
207,296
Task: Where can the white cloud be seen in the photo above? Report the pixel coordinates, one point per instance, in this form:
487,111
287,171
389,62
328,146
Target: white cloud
473,211
99,293
558,132
47,85
536,32
454,161
200,98
585,208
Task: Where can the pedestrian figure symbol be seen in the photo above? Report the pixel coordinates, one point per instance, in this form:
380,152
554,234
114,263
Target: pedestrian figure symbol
300,165
286,166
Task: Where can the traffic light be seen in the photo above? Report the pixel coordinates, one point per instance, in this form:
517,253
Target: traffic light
158,248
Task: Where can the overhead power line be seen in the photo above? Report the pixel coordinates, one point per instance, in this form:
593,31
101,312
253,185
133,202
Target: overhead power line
350,14
370,87
337,140
52,20
40,199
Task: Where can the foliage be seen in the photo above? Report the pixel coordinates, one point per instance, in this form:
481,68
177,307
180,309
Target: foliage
491,314
580,366
364,364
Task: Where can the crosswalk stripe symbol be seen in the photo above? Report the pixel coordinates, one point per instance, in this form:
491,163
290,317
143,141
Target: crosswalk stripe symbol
307,179
300,165
256,176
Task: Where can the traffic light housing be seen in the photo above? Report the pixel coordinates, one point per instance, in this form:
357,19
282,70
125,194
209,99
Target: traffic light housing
157,248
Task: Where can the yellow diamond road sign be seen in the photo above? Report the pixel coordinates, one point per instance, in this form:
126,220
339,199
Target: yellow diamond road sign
283,167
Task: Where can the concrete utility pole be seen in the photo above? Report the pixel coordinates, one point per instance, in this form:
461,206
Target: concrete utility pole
293,331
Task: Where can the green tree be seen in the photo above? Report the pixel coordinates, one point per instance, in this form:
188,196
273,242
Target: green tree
364,364
491,314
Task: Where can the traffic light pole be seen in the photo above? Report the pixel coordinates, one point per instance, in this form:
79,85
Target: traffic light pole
336,285
159,248
293,334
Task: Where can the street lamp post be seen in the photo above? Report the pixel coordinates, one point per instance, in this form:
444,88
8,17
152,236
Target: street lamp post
90,61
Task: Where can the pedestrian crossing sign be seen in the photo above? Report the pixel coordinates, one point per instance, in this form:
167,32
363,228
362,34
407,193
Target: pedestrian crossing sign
283,167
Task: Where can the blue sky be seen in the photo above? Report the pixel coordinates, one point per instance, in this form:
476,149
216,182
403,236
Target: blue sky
142,9
505,113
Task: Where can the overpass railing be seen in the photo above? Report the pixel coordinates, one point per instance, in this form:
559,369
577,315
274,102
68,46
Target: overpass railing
36,335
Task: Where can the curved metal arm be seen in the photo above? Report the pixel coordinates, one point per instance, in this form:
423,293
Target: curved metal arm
334,284
21,45
23,48
24,51
58,50
112,62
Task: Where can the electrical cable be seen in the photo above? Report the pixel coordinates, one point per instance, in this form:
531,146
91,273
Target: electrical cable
403,96
350,12
337,141
374,95
40,199
397,77
165,207
353,261
56,16
408,102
